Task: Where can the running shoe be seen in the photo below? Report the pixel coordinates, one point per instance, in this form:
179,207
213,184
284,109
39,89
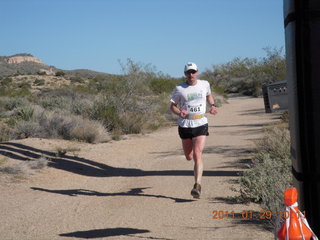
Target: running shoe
196,191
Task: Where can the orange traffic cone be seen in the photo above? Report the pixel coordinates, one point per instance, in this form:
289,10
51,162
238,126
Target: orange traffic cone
295,226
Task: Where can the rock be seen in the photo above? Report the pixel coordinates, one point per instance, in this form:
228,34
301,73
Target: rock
20,59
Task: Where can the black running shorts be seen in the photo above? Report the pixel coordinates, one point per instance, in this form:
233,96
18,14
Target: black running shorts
189,133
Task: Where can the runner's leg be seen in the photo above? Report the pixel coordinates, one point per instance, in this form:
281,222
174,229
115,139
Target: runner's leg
198,146
187,148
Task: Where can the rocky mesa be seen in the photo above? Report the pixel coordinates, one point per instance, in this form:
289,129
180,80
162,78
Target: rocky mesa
15,59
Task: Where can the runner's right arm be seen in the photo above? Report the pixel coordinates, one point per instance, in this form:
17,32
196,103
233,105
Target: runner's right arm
181,113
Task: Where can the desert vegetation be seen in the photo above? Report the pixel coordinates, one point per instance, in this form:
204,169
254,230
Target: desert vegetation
247,75
269,173
94,107
91,109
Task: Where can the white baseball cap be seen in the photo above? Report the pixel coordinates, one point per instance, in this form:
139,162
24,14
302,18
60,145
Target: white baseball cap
190,66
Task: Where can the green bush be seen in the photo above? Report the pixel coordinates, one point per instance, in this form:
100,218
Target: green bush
161,85
24,91
104,110
247,75
60,73
25,113
5,82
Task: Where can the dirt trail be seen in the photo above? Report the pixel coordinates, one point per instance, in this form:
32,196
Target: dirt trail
137,188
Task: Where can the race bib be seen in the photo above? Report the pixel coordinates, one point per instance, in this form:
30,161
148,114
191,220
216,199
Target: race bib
196,111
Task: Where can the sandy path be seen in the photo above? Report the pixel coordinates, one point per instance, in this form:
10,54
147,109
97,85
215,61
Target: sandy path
137,188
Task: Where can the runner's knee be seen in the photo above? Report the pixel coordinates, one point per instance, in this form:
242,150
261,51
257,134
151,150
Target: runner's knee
197,154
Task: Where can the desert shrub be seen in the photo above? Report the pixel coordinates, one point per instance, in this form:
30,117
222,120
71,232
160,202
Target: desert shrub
38,163
60,124
60,73
124,105
12,103
163,85
24,84
25,113
55,102
72,127
276,143
82,106
131,122
16,92
247,75
61,151
25,129
143,114
77,79
39,82
104,110
66,91
218,90
5,82
5,132
66,99
41,73
270,173
89,131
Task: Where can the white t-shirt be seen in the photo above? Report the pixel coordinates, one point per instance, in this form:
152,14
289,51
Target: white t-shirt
194,100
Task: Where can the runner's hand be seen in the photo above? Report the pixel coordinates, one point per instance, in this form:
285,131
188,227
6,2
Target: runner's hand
183,113
213,110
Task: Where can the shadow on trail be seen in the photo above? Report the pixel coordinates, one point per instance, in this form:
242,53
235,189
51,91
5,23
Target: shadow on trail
239,125
136,192
103,233
86,167
228,151
243,129
257,111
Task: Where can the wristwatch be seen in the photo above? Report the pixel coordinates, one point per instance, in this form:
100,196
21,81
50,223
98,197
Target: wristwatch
213,105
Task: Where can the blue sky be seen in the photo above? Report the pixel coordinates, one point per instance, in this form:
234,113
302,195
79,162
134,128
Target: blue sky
97,34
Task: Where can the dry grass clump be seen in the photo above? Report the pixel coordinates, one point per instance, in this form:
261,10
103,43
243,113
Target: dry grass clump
60,152
25,129
25,167
89,131
62,125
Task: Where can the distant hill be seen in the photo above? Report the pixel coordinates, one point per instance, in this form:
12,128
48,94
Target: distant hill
27,64
20,64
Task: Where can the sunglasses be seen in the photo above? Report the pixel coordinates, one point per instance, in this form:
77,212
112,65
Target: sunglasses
191,71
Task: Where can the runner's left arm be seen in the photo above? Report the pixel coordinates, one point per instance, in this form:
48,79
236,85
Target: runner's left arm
213,109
